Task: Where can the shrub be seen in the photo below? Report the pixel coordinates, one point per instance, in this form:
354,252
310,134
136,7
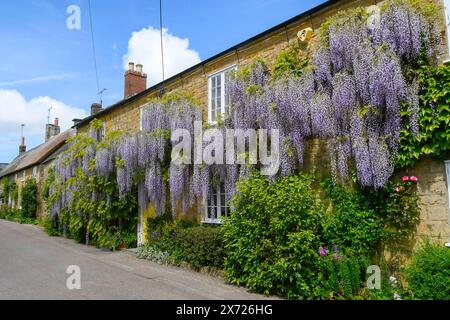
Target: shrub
397,206
183,241
271,236
151,253
8,213
29,198
161,233
50,226
342,276
352,225
428,275
15,215
201,246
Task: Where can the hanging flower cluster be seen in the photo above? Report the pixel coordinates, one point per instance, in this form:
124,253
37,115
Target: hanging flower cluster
351,95
143,157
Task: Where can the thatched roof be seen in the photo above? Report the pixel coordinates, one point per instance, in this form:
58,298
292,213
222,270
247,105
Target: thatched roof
38,154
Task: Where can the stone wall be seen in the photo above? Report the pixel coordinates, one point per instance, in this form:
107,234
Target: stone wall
433,199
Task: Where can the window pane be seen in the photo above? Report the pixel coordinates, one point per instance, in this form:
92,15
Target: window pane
212,97
212,206
228,76
215,97
219,97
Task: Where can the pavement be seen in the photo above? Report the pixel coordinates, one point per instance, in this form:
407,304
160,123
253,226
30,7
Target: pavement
34,265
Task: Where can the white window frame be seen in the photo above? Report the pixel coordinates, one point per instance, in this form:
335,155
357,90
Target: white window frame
447,23
24,175
218,206
223,106
34,172
447,171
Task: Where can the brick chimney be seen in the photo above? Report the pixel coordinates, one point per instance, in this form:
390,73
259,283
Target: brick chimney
52,130
22,147
135,80
96,108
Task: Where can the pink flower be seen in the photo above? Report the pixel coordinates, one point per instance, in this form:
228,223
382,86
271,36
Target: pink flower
414,179
322,251
405,179
336,256
398,189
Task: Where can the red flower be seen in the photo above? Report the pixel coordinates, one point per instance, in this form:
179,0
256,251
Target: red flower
405,179
414,179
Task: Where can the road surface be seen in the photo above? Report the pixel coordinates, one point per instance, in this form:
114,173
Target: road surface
33,266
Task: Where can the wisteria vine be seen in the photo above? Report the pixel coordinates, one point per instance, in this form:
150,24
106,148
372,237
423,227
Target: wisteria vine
350,95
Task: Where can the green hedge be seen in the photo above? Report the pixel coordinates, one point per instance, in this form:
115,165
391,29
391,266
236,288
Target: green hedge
172,241
428,275
201,246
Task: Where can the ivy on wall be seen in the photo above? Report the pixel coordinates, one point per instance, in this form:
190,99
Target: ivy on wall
433,138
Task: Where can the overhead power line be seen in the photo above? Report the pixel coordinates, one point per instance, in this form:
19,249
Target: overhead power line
162,42
93,49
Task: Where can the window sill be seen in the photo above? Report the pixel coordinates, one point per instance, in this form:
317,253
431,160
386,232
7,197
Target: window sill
215,222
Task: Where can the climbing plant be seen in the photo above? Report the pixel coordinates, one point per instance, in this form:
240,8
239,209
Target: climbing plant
10,190
355,89
29,199
351,94
85,200
433,138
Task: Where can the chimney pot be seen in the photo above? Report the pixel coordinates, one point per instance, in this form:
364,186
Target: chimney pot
139,68
131,66
56,122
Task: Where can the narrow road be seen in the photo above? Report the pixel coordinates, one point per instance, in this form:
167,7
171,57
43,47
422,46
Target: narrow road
33,266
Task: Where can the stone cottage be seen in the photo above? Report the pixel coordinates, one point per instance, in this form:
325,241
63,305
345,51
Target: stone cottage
207,80
35,164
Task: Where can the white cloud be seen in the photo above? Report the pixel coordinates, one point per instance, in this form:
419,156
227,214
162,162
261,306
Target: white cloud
15,110
144,47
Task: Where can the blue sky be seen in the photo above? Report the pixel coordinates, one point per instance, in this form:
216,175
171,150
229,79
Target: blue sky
44,63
